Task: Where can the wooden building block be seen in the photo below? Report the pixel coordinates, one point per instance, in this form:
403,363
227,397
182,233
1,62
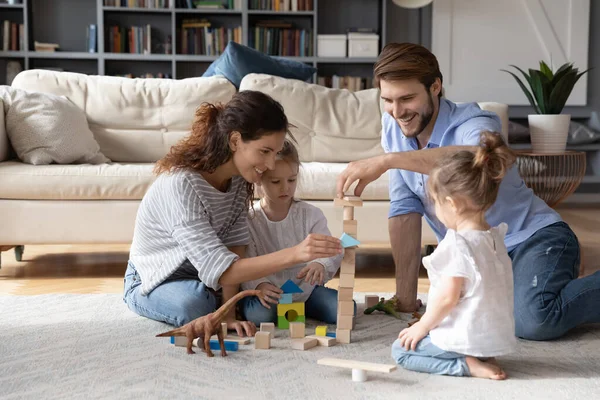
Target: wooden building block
229,346
352,201
346,308
345,294
345,322
224,328
349,261
231,338
324,340
286,298
304,343
321,330
343,335
283,323
346,280
297,330
348,213
268,327
298,308
262,340
370,301
350,226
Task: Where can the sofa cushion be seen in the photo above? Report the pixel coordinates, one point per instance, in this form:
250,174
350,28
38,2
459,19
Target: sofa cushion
238,61
45,129
317,181
74,182
331,125
133,120
131,181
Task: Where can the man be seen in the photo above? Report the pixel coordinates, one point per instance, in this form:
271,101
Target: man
419,127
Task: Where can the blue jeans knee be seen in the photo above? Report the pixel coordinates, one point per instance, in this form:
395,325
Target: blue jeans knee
252,310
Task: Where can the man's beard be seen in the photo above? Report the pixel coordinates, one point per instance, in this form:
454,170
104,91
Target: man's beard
424,119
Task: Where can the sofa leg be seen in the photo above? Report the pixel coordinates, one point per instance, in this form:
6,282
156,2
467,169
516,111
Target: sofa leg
19,252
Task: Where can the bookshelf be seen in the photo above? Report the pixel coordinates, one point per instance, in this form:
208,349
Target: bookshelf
66,23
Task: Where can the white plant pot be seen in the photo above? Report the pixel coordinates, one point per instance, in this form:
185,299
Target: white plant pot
549,132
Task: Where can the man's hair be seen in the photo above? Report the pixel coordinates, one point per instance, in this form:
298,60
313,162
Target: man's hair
403,61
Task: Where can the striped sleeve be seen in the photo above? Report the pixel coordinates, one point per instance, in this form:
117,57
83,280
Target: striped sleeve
205,250
239,235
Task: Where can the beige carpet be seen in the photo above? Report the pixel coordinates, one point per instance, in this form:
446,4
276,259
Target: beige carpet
92,346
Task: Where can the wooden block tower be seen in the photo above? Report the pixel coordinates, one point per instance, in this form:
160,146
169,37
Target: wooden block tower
345,316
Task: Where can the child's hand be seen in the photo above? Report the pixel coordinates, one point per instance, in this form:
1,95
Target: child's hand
410,337
272,294
314,273
317,246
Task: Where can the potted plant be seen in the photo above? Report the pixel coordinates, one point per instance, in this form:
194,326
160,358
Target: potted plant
548,128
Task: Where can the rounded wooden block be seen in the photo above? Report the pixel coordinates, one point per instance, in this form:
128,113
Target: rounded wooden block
359,375
348,213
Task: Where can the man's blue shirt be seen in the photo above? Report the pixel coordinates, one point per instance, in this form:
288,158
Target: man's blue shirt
461,125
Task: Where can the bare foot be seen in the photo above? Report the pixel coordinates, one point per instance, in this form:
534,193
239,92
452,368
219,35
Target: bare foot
399,307
480,369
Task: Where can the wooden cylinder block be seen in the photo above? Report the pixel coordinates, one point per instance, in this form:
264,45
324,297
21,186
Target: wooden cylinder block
348,213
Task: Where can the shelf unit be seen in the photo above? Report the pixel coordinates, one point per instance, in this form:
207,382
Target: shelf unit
43,20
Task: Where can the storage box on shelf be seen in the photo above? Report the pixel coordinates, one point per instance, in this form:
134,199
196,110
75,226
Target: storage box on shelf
331,45
363,45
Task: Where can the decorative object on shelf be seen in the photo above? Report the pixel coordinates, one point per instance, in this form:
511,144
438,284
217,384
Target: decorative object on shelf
549,92
48,47
12,69
412,3
552,177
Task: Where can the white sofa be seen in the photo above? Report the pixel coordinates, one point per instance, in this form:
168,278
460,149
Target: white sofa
135,121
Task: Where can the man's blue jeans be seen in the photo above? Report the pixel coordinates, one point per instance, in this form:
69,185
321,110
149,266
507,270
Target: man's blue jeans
549,299
175,302
321,305
429,358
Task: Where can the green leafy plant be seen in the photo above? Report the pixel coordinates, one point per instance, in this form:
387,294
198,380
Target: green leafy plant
549,90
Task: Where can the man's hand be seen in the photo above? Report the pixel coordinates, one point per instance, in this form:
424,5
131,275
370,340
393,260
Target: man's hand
314,273
271,293
410,337
365,171
243,328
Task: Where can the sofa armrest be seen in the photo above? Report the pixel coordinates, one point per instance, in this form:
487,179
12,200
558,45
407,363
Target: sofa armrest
4,143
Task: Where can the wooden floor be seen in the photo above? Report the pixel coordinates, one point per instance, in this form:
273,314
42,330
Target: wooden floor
100,268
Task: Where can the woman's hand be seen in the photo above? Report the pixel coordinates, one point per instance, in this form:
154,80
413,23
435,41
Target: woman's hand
410,337
314,273
317,246
243,328
271,294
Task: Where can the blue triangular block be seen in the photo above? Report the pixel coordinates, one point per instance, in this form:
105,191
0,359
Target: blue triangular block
290,287
348,241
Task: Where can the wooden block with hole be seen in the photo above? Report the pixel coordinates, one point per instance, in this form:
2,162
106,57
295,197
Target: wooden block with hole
345,322
370,300
350,226
346,280
262,340
346,308
343,335
348,201
324,340
345,294
268,327
304,343
297,330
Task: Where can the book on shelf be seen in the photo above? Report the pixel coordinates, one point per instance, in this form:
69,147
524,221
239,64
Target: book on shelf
277,38
139,3
91,34
209,4
160,75
198,37
133,40
282,5
351,83
47,47
12,36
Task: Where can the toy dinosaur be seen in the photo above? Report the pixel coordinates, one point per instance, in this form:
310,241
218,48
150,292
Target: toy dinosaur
206,326
386,306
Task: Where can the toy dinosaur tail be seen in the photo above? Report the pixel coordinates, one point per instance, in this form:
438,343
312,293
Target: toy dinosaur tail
225,308
175,332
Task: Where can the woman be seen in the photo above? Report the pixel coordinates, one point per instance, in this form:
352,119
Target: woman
191,227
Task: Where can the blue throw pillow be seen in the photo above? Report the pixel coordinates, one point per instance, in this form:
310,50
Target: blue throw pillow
238,61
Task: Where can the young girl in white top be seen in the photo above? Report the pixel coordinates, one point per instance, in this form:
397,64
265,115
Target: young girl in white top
469,318
281,221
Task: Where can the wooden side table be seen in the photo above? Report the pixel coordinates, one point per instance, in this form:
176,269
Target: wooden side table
553,177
